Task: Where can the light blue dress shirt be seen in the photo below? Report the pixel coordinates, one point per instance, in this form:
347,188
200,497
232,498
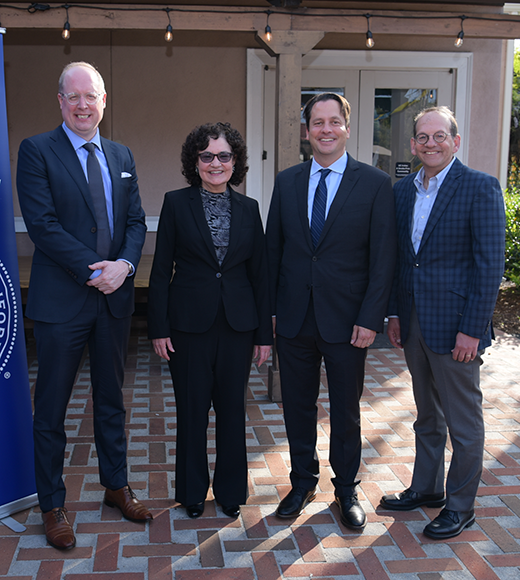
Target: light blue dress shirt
333,180
424,200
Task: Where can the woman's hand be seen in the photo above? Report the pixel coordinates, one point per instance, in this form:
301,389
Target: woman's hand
261,353
161,347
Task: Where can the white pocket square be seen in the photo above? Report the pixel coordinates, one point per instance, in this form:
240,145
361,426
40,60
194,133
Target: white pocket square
125,174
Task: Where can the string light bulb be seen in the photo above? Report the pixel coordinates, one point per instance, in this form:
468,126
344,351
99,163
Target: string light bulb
459,41
268,31
168,35
65,33
370,39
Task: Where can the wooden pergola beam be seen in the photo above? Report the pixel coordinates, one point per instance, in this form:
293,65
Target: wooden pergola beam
246,19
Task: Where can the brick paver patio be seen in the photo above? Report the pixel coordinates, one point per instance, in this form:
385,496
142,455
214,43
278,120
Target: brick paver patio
259,546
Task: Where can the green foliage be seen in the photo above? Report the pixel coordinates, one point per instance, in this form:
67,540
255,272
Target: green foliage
512,258
514,136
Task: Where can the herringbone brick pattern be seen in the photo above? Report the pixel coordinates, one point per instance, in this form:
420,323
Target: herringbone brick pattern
258,546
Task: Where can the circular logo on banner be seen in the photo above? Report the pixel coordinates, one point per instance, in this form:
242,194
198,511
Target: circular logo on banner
8,316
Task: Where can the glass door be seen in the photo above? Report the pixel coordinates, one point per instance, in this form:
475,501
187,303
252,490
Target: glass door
388,104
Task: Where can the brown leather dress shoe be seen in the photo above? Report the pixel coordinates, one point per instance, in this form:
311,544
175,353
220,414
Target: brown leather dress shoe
58,530
126,500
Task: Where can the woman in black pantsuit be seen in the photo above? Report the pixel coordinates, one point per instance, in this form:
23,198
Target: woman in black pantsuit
208,312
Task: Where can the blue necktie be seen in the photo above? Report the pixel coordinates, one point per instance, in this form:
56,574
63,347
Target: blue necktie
318,207
97,191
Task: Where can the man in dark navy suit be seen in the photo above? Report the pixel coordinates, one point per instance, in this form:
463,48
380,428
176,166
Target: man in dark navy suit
80,201
331,248
451,256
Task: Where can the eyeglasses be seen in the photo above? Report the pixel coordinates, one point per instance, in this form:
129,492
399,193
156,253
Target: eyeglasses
223,156
74,98
438,137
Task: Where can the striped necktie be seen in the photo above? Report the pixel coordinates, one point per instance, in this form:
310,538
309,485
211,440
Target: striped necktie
318,207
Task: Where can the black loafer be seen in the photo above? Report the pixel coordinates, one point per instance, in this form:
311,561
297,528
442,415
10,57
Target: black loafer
351,513
448,524
232,511
195,510
294,502
409,500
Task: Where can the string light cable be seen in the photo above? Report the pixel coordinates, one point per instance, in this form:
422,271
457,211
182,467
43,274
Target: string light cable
34,8
65,33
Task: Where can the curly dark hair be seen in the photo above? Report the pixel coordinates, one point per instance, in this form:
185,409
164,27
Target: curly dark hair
198,140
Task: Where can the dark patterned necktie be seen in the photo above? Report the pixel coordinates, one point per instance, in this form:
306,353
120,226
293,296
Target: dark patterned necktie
97,191
318,207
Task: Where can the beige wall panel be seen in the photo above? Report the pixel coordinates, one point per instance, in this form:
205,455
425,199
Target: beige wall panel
486,105
160,94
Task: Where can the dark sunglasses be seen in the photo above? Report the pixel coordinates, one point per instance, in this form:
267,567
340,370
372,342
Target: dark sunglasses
223,156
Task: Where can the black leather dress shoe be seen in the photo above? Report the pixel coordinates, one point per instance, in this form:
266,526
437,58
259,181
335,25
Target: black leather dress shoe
232,511
448,524
409,500
195,510
294,502
351,513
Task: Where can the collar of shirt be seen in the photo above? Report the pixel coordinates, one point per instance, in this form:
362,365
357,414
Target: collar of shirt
440,177
78,142
424,201
333,180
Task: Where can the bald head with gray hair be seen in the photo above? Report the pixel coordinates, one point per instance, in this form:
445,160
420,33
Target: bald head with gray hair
73,65
442,110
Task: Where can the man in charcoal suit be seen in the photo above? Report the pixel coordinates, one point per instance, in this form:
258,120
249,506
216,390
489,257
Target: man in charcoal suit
331,249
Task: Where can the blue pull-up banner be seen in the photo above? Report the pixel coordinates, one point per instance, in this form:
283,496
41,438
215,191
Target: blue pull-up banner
17,485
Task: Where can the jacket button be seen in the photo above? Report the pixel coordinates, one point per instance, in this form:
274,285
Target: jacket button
416,265
93,230
219,275
314,259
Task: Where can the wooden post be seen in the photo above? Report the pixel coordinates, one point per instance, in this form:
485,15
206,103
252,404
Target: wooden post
288,47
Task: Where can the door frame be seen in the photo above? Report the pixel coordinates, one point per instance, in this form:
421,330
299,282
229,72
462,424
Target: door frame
459,63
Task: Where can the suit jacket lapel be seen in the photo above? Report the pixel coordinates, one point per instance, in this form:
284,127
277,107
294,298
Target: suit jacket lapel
301,188
64,151
408,209
446,192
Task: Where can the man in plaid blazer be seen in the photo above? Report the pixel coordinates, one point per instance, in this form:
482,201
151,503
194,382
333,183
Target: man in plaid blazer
451,225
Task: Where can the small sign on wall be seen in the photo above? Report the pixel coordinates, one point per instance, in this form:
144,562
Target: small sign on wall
402,169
